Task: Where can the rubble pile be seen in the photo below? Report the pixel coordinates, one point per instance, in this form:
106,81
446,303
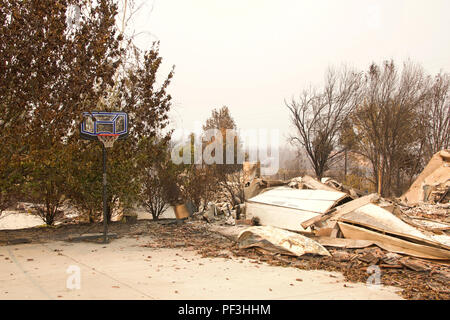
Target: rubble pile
439,193
429,211
433,184
408,238
354,193
322,212
409,234
328,209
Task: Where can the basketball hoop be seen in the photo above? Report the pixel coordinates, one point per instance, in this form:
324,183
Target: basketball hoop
107,127
108,139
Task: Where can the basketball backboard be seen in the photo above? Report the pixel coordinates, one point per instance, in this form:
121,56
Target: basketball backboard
102,123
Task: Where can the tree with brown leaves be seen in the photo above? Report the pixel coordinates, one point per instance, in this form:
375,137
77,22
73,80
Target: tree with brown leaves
51,73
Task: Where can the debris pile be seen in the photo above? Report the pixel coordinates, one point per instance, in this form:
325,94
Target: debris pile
427,211
336,216
354,193
433,184
279,240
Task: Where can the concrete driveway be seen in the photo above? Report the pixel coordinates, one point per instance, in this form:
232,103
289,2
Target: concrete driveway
125,270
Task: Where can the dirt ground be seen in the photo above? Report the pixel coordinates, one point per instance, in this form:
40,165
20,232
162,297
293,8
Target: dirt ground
198,236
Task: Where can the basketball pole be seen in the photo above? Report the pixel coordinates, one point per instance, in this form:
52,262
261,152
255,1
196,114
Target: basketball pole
107,135
105,215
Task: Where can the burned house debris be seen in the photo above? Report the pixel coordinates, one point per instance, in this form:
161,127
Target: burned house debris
433,184
337,219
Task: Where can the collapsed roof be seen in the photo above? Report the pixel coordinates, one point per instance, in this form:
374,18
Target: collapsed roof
288,208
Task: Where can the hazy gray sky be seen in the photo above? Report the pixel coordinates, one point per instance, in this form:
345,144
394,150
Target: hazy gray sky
252,54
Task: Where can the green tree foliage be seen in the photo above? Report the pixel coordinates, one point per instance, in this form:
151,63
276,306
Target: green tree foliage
51,72
85,180
196,182
160,179
131,163
151,178
227,176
